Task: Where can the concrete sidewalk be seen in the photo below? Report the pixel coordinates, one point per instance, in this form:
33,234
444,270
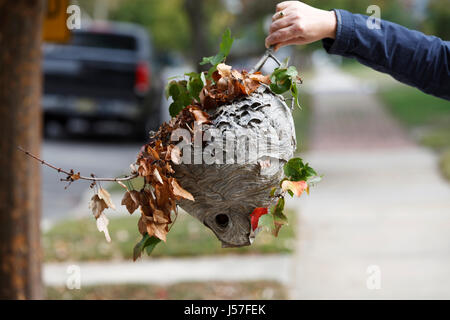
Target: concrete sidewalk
173,270
382,212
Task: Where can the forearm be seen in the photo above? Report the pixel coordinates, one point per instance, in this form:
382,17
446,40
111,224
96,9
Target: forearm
409,56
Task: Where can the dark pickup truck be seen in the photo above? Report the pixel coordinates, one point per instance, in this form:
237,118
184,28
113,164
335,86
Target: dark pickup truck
103,75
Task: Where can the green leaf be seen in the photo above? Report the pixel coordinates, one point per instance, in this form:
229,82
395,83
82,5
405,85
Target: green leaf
145,242
285,79
292,72
151,243
175,108
225,47
277,211
195,86
285,63
227,42
292,169
296,170
294,92
279,219
167,89
272,192
202,76
213,60
280,81
266,222
180,94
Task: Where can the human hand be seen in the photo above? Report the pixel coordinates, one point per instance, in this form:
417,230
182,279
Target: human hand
297,23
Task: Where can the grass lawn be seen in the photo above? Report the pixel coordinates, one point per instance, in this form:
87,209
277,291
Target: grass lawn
79,240
302,118
415,108
428,115
444,164
254,290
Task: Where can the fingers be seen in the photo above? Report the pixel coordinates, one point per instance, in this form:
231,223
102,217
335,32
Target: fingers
283,5
297,40
280,24
281,35
282,14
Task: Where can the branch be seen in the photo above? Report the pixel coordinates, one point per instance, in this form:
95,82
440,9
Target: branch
71,173
268,54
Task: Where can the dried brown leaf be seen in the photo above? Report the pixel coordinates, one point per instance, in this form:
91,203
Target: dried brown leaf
130,202
179,191
158,230
103,194
153,153
142,227
200,116
224,70
157,175
260,78
97,206
160,217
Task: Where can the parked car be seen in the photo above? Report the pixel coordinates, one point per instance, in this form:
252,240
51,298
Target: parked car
104,74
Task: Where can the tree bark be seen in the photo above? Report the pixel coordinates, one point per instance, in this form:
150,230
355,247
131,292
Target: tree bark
20,125
196,15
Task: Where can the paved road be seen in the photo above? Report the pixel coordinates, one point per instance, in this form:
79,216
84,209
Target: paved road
381,216
104,157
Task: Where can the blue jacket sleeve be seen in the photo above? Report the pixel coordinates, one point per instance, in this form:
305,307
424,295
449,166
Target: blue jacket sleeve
409,56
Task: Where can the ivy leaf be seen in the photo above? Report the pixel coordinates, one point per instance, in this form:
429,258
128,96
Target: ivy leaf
284,79
294,92
266,222
292,72
277,211
195,85
175,108
275,220
180,94
292,169
172,90
146,242
279,218
225,47
296,170
280,81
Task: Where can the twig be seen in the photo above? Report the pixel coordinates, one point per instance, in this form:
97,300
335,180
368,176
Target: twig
71,173
268,54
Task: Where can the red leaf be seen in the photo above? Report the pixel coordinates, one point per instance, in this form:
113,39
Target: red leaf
255,215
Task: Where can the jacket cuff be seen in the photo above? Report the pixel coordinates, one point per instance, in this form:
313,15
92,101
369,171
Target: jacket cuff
344,34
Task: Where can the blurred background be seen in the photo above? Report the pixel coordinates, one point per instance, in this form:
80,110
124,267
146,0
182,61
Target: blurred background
384,150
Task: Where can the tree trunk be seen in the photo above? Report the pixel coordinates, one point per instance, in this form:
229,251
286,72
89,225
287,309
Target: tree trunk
196,15
20,125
